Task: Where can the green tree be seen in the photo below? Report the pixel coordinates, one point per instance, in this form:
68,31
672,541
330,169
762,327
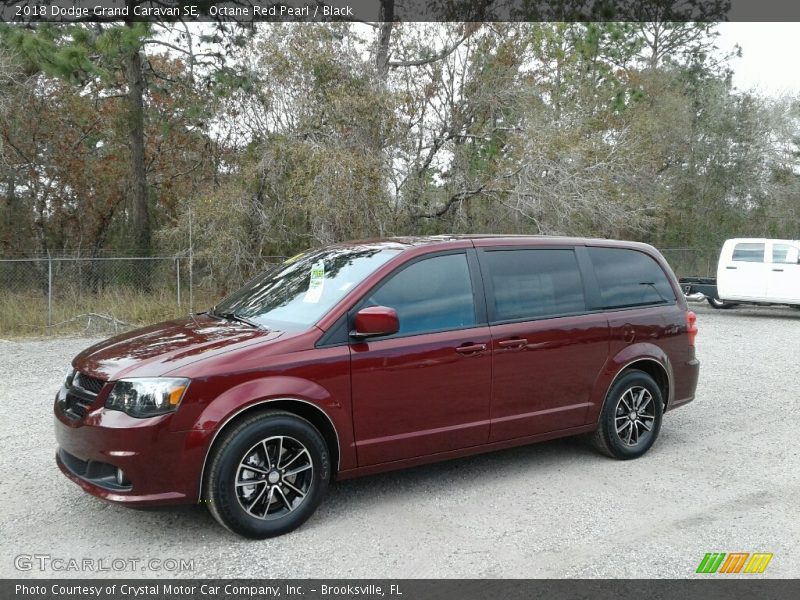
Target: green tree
118,57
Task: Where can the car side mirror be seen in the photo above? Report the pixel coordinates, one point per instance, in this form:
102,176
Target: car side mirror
375,320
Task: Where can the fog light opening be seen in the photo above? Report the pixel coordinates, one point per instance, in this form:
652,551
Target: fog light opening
121,479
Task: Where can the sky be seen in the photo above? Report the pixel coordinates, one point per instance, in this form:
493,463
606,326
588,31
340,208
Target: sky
770,55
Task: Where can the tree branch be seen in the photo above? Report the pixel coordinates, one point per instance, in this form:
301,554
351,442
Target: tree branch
431,59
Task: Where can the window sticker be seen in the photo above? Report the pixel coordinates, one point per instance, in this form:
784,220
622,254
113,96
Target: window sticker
315,286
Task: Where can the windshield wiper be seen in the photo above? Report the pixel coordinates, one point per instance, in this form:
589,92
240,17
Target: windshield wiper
652,285
232,316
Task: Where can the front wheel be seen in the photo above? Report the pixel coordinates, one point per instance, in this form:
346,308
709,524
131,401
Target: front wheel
631,416
267,475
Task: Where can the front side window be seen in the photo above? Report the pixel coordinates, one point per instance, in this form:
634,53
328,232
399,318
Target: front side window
629,278
748,252
434,294
300,291
533,284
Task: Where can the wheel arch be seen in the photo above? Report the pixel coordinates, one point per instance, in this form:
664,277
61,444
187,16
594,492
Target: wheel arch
301,408
653,368
649,359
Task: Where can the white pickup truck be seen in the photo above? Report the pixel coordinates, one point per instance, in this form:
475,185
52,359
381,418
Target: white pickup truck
751,271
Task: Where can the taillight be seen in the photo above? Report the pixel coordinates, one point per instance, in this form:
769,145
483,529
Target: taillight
691,326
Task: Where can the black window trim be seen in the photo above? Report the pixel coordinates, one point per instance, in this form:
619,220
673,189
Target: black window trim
339,336
339,333
588,292
336,335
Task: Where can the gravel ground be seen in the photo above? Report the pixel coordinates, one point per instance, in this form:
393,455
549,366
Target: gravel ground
724,476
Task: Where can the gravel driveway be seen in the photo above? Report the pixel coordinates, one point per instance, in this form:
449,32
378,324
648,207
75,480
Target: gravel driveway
724,476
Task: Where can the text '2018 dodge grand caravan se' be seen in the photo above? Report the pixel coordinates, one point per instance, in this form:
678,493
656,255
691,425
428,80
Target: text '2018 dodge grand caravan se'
368,356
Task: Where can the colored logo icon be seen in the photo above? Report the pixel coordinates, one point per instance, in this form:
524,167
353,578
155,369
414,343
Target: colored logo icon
734,562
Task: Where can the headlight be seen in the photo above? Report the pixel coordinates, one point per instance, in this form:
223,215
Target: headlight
68,376
147,396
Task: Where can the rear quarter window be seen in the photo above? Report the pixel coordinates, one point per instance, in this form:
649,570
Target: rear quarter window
784,254
629,278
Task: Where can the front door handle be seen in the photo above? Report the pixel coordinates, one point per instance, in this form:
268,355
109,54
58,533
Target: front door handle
731,268
778,270
515,343
471,348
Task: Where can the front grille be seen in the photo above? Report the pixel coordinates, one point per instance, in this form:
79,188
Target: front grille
77,406
90,384
81,395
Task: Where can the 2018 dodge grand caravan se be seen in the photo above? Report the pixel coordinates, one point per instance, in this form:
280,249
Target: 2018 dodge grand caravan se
363,357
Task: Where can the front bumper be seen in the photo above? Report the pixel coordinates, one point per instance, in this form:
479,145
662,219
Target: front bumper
160,466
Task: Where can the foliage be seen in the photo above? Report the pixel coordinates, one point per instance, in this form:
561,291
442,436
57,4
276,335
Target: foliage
262,142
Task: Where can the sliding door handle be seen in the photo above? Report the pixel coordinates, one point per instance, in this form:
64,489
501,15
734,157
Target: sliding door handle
515,343
471,348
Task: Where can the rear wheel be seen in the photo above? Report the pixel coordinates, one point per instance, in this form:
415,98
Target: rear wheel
719,304
267,475
631,417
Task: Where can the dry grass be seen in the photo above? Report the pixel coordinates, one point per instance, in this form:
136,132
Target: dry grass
105,313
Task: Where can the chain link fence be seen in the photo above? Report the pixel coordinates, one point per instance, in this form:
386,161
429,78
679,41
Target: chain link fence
692,262
103,295
91,295
98,296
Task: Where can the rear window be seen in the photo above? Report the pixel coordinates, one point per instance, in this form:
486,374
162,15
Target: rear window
629,278
532,284
748,252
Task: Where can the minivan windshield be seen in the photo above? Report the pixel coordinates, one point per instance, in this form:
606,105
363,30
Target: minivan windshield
298,292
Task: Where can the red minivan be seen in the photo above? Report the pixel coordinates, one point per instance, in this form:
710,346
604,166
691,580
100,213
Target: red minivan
363,357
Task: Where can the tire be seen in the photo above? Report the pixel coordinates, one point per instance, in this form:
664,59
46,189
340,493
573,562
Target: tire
289,462
719,304
614,435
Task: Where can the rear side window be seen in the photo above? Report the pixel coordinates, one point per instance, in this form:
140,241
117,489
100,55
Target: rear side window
434,294
533,284
629,278
784,254
748,252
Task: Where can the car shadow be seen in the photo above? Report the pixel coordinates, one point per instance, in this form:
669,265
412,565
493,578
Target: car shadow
355,495
454,475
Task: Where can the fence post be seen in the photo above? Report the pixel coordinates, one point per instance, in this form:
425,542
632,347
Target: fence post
49,289
191,257
178,277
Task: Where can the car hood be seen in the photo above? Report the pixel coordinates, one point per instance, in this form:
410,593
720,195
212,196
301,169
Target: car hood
158,349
